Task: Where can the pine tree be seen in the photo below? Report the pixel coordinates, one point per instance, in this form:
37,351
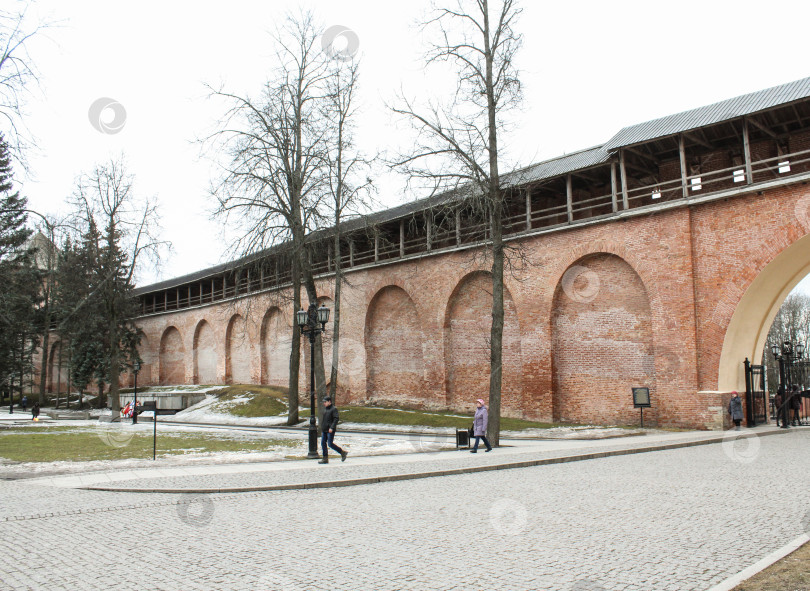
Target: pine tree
19,281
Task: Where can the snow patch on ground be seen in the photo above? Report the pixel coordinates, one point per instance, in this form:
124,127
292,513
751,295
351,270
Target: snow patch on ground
119,434
212,410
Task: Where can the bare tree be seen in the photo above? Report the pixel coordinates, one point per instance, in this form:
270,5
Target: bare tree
344,166
17,73
457,147
273,181
791,323
129,230
46,259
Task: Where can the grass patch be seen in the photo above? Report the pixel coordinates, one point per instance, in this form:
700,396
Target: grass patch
417,418
258,401
47,444
791,573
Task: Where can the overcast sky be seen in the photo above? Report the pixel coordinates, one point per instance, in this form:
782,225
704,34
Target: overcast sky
588,69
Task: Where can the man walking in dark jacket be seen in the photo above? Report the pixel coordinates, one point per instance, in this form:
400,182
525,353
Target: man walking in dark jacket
328,428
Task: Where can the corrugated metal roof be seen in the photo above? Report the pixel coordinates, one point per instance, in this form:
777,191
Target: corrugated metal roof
199,275
665,126
536,172
726,110
558,166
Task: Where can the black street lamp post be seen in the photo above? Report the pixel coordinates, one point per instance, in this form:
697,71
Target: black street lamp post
308,321
136,367
786,355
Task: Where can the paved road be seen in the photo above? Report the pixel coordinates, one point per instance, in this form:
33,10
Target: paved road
681,519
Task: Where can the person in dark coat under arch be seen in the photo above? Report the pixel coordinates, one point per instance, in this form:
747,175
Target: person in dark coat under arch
735,409
796,406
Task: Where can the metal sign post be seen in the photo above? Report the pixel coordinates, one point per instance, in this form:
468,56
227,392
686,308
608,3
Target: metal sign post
641,400
151,406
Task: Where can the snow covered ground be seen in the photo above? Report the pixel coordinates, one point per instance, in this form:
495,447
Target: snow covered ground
213,411
119,435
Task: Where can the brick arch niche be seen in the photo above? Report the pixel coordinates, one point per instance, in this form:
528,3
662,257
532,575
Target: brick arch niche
395,365
237,352
172,358
602,342
468,321
275,343
205,354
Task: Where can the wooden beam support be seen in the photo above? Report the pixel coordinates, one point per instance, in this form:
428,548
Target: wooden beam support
569,198
376,245
458,227
351,252
528,209
747,153
429,228
402,237
697,140
682,157
640,154
761,127
644,172
614,198
623,174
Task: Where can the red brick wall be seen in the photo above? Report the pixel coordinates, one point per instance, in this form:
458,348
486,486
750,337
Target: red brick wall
693,263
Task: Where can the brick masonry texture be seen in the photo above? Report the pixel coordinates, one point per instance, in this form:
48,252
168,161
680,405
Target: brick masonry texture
637,301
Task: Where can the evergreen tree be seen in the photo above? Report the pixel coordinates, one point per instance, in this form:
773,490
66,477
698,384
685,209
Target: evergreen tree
80,310
104,343
19,281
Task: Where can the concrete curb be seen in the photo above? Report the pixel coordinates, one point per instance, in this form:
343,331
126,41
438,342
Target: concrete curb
761,565
434,473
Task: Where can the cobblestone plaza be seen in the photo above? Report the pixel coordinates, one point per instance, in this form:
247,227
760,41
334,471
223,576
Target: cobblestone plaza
675,519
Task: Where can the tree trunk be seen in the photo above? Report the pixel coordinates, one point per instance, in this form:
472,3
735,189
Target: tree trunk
115,371
295,352
494,199
333,378
496,332
59,375
70,379
43,372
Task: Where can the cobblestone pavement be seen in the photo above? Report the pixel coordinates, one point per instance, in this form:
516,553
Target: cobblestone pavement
310,472
670,520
